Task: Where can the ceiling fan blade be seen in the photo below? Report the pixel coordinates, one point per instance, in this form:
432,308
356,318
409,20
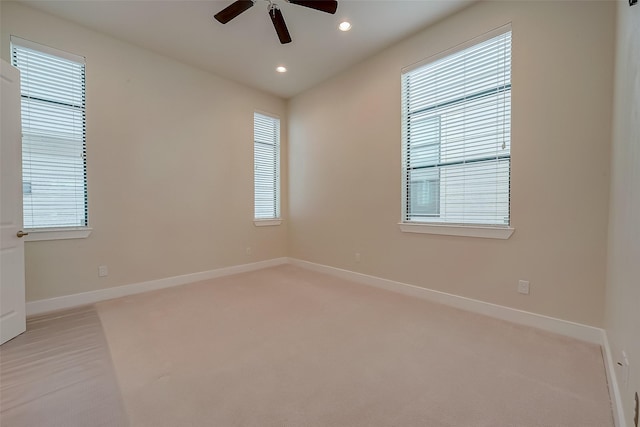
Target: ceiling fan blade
329,6
233,10
279,25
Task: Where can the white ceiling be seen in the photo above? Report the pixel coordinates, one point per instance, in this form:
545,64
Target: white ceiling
247,49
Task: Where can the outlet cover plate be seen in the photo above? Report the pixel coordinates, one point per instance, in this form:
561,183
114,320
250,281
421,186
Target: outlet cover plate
103,271
523,287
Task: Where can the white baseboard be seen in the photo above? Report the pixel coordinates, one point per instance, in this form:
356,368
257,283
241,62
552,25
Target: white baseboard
612,382
84,298
563,327
575,330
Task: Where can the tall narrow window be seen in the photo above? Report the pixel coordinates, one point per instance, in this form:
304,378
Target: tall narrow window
266,155
456,135
54,169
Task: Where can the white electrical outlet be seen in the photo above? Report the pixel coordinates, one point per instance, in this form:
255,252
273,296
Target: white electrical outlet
523,287
103,271
248,250
357,256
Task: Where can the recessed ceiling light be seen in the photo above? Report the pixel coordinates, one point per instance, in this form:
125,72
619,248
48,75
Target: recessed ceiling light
344,26
281,69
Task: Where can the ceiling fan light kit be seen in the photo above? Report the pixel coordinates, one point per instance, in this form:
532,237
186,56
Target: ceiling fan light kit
237,7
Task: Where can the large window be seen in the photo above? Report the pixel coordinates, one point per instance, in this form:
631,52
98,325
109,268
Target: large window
456,135
54,175
266,154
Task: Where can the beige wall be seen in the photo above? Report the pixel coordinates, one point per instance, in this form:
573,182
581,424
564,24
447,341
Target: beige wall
170,166
170,169
170,175
345,181
622,311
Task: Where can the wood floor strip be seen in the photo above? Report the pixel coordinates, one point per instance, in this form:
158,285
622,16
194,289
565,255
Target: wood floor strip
59,373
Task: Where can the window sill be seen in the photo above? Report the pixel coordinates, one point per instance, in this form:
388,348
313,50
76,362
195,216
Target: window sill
36,235
267,222
458,230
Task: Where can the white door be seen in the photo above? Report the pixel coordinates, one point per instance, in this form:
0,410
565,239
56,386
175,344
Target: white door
12,302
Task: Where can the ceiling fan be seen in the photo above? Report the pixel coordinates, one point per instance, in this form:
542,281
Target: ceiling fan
239,6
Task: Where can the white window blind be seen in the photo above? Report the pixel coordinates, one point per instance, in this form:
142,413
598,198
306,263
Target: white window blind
456,135
266,155
54,176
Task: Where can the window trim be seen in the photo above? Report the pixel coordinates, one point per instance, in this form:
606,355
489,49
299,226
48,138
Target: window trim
267,222
492,231
485,231
56,233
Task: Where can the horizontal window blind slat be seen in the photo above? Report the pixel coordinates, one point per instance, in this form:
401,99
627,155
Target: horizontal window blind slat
266,150
456,121
54,134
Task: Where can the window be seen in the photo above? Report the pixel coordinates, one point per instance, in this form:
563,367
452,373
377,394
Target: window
456,142
266,158
54,169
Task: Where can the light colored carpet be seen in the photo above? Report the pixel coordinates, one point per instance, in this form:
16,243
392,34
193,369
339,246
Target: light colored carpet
59,374
290,347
